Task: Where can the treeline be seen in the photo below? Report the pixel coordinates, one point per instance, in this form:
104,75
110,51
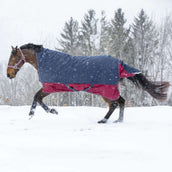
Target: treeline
143,44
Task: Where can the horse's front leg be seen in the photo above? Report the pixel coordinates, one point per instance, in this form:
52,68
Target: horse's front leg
33,107
38,98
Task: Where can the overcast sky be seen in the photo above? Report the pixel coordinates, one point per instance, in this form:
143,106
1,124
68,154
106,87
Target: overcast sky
40,21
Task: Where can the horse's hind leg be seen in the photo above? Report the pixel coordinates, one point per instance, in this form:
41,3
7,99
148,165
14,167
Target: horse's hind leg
38,98
112,107
121,103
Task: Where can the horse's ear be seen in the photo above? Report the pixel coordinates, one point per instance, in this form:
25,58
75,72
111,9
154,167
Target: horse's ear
14,50
12,47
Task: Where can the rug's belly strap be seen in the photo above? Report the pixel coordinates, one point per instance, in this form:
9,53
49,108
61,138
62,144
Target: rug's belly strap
71,88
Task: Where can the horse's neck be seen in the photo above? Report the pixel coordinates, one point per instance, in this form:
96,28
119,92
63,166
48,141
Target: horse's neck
30,56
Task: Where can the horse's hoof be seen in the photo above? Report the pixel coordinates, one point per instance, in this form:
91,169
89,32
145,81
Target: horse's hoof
103,121
31,113
53,111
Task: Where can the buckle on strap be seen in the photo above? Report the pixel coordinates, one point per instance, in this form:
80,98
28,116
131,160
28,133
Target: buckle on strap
86,89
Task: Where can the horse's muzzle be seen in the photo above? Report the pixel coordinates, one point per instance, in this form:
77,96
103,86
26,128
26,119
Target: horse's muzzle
11,73
11,76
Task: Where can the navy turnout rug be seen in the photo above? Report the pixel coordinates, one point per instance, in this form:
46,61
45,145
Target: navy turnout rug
95,74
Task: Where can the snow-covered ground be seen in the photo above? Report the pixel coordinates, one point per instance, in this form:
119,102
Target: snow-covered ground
73,141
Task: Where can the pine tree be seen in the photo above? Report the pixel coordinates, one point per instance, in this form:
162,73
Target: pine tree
88,33
119,34
118,42
145,40
69,41
104,35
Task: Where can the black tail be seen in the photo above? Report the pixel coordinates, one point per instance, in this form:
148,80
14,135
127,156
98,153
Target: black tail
158,90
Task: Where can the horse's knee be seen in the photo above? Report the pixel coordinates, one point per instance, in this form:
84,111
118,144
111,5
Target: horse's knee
38,96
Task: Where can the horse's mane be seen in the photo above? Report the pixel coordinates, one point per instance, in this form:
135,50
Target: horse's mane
36,48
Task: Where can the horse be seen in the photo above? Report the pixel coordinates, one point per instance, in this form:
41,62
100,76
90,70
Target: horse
77,73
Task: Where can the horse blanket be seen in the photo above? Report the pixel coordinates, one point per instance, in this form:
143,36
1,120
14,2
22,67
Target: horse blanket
95,74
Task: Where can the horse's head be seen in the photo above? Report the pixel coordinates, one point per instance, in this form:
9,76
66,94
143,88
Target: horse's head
16,61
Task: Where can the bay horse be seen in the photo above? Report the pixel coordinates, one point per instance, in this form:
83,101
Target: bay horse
94,74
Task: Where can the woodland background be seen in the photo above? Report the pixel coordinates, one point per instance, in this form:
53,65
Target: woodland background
143,44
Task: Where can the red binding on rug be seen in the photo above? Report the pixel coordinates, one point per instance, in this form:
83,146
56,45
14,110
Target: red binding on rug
123,73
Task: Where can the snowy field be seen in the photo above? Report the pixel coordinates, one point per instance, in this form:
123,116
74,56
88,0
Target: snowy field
73,141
